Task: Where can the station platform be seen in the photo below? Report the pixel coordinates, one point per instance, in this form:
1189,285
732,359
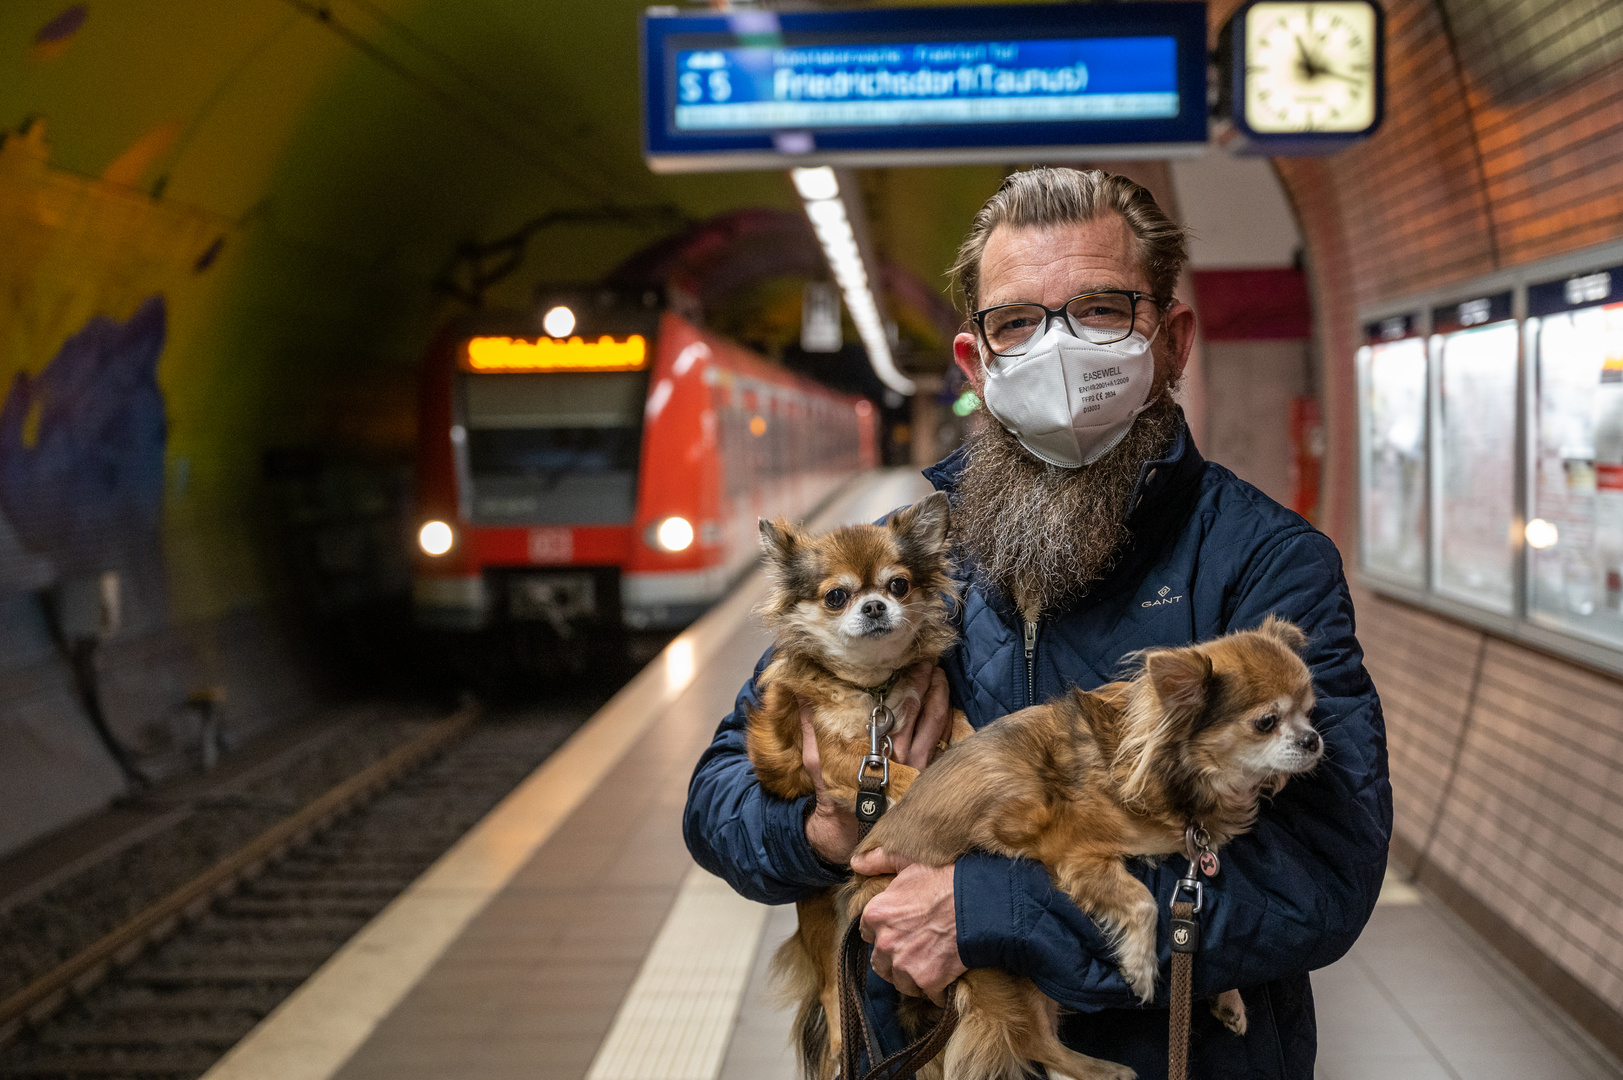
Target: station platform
569,935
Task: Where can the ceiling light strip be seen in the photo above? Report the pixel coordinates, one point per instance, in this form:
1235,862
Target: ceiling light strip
826,210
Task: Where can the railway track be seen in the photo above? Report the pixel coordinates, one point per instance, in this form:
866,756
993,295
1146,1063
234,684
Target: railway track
169,992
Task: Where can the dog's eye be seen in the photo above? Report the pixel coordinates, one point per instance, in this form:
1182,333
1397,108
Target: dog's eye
898,587
836,598
1267,723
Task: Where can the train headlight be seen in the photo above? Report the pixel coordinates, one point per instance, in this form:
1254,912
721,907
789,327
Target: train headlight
674,534
435,537
559,322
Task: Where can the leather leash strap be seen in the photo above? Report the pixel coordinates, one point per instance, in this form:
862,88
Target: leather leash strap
1183,972
854,1033
871,801
1185,935
853,967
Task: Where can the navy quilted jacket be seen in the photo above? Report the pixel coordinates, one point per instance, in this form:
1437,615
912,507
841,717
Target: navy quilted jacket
1210,554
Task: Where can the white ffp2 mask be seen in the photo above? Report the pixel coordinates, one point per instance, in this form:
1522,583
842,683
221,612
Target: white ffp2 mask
1067,400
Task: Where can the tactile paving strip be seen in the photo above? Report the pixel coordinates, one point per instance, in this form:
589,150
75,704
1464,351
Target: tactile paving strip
675,1022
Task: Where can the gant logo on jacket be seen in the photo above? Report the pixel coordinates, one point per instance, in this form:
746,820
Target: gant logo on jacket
1162,598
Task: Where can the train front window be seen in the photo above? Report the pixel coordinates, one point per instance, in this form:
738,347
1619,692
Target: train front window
554,448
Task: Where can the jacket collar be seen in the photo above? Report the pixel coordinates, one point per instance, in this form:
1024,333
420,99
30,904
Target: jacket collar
1161,490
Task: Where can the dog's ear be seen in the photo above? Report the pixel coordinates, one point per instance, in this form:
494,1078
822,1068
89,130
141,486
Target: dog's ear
1285,632
1183,679
780,540
924,523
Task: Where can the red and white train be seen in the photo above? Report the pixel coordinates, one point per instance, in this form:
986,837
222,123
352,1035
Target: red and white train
609,472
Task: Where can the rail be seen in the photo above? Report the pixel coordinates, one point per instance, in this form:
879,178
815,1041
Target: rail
85,969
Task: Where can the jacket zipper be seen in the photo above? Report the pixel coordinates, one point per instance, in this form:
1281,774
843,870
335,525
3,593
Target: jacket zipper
1031,666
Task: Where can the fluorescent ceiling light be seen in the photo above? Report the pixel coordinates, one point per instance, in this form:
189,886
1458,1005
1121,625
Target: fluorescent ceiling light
820,189
818,183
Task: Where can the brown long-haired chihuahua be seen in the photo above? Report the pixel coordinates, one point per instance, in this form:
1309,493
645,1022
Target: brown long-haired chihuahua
850,610
1081,782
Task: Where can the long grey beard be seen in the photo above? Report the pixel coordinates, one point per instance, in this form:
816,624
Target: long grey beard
1041,533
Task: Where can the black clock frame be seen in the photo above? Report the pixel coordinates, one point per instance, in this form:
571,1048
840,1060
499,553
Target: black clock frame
1231,53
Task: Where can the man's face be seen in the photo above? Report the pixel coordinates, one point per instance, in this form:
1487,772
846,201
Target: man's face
1048,266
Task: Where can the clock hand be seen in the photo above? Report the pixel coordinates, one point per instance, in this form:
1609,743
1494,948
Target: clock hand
1309,68
1343,77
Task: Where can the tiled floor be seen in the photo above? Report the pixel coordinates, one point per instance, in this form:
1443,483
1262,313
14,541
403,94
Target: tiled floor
1422,997
760,1045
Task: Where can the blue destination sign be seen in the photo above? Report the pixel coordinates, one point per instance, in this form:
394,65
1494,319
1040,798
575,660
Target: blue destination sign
1010,83
968,82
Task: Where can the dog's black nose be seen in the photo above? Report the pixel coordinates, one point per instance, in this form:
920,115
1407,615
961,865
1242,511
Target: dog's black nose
1309,742
873,608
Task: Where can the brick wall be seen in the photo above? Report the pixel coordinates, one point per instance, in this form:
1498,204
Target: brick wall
1507,782
1503,144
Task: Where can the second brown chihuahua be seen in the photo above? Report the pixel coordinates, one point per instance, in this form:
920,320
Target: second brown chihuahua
1084,781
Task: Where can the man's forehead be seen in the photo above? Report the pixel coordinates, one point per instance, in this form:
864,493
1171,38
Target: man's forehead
1053,263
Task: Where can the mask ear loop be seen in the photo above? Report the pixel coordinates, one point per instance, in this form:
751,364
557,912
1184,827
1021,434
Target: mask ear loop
1151,341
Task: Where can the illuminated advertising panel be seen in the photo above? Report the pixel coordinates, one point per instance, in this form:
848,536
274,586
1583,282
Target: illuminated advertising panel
1576,538
752,89
1477,349
1392,414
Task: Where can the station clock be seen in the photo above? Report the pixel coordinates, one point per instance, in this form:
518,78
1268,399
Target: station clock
1305,78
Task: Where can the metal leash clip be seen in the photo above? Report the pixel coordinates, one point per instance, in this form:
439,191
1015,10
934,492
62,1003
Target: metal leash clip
872,801
1191,885
1197,846
880,721
1185,932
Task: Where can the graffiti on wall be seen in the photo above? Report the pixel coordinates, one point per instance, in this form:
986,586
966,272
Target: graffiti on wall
85,300
81,443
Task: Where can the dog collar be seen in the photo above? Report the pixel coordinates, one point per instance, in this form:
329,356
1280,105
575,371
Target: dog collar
880,692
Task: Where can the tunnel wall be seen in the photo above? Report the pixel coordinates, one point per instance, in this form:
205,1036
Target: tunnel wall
1503,144
221,227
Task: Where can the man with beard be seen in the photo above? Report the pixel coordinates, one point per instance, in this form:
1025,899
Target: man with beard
1087,527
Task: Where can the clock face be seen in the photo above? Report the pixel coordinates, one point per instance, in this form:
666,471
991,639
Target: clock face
1310,67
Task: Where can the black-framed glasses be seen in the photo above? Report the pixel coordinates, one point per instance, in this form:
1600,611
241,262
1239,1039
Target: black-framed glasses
1101,317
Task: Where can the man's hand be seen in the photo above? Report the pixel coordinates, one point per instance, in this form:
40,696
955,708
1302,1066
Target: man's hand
912,925
923,719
